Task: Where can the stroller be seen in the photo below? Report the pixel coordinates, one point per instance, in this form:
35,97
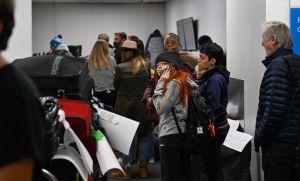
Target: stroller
66,80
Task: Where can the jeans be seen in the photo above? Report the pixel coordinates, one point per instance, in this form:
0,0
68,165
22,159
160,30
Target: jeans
175,163
278,161
144,150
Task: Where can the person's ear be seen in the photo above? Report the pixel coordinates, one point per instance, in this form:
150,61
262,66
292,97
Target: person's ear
213,61
274,40
1,26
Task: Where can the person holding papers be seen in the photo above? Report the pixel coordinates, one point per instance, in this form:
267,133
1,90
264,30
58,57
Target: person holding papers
171,92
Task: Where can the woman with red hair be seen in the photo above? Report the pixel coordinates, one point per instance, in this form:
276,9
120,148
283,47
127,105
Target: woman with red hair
172,91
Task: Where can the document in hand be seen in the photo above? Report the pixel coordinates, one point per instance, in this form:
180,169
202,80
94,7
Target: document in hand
119,130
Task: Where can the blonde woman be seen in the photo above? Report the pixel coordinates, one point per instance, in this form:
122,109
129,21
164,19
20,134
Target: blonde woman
131,78
102,68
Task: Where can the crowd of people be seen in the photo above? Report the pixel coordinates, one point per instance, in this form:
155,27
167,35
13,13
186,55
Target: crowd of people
123,80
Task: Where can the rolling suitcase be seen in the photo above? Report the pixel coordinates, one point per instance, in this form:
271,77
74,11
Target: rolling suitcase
79,115
58,76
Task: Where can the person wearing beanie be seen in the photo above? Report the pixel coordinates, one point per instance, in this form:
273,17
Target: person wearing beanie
171,92
170,57
56,41
57,47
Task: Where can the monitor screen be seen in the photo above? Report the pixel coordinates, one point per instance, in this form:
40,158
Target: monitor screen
180,32
189,34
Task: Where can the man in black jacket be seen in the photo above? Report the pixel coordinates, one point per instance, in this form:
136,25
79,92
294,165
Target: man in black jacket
21,114
279,104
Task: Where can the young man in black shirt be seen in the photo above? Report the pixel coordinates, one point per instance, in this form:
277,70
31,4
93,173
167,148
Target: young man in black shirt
21,114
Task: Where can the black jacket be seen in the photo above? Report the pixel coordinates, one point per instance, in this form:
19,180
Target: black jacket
279,99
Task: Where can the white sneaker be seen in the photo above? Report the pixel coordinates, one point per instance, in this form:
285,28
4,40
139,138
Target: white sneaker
151,160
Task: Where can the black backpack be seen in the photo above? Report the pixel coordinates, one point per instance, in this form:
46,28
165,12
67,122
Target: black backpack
199,125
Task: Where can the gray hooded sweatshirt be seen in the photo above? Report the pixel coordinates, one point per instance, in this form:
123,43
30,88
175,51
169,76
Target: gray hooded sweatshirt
164,103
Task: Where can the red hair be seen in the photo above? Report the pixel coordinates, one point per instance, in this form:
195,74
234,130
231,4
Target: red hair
182,78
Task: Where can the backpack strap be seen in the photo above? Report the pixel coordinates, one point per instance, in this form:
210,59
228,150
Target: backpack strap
176,121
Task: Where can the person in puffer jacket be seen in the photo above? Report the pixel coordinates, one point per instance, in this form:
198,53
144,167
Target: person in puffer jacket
279,104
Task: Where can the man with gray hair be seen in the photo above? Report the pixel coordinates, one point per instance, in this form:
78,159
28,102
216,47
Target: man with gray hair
279,104
104,36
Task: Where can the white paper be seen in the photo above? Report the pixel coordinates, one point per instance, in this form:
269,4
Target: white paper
234,124
70,154
119,130
71,137
106,157
236,140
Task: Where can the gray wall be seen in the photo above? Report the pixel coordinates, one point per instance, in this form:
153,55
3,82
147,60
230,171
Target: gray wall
244,55
80,23
211,16
20,43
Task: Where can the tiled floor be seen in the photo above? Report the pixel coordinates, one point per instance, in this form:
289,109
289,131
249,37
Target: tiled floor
154,173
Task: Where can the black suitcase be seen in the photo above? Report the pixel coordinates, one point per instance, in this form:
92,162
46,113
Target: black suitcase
58,76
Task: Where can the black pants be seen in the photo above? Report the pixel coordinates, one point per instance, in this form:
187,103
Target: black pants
108,98
278,161
211,157
175,163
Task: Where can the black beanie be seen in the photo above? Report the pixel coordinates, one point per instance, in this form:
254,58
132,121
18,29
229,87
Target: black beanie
170,57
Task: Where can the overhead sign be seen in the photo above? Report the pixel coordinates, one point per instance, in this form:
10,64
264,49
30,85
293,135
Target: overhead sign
295,24
295,29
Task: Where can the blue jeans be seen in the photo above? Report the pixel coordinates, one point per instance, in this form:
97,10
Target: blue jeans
144,151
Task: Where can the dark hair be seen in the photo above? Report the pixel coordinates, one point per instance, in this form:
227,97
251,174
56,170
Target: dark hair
139,44
122,35
204,39
7,17
213,50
